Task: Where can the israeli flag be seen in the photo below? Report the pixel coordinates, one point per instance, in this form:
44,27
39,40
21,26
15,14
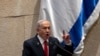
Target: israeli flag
74,16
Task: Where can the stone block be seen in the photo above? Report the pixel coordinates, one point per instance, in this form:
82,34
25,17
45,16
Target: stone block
11,36
18,7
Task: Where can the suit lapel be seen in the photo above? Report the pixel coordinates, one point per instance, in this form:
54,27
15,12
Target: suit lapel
38,47
51,47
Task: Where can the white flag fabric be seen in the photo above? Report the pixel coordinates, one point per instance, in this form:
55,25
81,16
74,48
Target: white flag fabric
73,16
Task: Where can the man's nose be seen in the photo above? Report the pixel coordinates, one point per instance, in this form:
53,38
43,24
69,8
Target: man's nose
47,30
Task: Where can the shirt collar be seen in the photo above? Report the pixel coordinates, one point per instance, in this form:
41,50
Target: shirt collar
41,39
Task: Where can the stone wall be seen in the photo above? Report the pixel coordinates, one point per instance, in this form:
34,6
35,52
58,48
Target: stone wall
17,23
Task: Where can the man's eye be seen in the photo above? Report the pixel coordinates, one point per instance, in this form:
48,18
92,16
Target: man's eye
44,28
48,27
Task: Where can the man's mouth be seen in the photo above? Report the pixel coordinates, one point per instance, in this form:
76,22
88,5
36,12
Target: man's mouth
47,34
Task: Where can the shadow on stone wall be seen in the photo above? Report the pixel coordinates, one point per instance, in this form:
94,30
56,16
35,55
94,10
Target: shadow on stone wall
35,18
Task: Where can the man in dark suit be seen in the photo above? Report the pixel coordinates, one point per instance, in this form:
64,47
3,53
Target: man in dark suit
42,44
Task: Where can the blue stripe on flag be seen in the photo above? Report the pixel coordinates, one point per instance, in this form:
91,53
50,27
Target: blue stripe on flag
88,7
76,31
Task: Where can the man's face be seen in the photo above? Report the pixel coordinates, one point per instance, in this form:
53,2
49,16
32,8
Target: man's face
44,30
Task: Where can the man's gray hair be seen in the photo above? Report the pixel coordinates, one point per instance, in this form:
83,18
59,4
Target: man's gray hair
39,22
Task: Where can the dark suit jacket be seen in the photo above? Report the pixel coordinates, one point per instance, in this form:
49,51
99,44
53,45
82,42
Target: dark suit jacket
32,47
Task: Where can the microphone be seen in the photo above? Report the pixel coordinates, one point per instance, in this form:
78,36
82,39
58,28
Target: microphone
63,48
